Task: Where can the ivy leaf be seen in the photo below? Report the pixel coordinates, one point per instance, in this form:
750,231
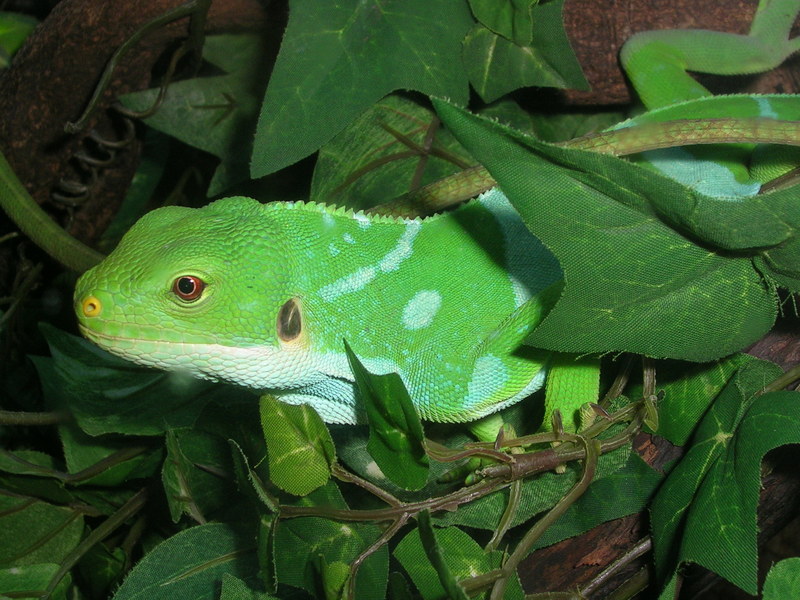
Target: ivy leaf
510,18
375,159
705,512
191,564
299,542
395,432
497,65
217,113
339,58
299,447
632,282
460,555
783,580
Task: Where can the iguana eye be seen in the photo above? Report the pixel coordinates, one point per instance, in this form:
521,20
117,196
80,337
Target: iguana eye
188,287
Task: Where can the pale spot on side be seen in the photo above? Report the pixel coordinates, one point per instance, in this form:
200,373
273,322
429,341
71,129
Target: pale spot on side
348,239
328,220
362,220
421,309
488,378
765,108
333,250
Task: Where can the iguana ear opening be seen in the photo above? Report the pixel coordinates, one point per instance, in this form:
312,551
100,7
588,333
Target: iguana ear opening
290,320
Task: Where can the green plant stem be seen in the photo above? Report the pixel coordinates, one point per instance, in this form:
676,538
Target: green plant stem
87,473
9,417
514,496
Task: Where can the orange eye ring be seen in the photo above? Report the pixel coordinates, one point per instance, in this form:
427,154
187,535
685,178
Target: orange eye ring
188,287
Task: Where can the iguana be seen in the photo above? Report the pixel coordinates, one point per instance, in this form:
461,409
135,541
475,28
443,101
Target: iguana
263,295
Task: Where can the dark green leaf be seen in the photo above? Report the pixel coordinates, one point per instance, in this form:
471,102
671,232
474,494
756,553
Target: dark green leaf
191,564
632,282
299,541
706,510
30,581
234,588
497,65
513,20
339,58
299,447
36,532
395,433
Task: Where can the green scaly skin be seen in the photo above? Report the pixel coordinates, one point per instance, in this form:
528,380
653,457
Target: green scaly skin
445,301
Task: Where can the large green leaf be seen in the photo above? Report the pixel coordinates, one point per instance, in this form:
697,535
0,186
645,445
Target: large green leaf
632,282
191,564
705,512
783,580
395,431
338,58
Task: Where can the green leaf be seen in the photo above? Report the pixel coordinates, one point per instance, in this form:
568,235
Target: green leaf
31,581
191,564
783,580
632,282
36,532
369,162
622,493
107,394
463,557
299,447
216,114
82,451
234,588
299,541
339,58
497,65
512,19
193,474
395,431
14,29
705,512
102,569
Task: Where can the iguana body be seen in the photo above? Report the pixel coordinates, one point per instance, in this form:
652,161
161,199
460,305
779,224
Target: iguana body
409,296
445,302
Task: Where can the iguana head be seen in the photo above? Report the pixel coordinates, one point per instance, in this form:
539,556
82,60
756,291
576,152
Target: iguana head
202,290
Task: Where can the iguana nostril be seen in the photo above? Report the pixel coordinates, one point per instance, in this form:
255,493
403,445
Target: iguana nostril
91,306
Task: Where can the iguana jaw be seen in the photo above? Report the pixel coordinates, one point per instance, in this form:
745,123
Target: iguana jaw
216,362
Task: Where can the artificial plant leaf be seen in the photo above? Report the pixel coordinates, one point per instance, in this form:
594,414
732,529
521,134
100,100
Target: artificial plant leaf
36,532
395,146
497,65
622,493
217,113
632,282
299,447
30,580
14,29
191,564
705,512
354,53
395,431
783,580
462,558
689,389
234,588
107,394
193,474
511,19
27,462
82,451
298,542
